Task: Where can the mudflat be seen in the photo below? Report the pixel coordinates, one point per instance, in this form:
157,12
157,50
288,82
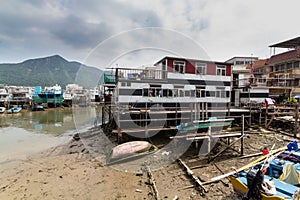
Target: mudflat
69,171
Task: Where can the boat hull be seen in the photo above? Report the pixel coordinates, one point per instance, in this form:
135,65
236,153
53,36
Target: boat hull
130,150
14,110
241,188
2,110
282,190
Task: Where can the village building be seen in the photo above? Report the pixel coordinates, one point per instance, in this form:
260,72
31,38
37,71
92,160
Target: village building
281,72
173,91
19,95
244,88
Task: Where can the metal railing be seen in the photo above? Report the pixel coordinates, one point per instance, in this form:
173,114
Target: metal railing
267,82
117,74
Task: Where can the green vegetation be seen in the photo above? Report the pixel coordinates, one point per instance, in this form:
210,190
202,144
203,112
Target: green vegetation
290,101
49,71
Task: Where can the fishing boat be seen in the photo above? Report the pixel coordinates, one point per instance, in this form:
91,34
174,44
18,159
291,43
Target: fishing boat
14,110
130,150
271,177
2,109
200,124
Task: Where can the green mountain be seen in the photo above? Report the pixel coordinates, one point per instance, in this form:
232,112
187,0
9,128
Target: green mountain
49,71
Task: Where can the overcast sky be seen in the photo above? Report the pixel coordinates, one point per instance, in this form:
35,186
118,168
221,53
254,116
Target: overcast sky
119,31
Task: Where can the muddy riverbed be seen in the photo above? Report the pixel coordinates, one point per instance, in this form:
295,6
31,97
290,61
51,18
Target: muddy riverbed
77,170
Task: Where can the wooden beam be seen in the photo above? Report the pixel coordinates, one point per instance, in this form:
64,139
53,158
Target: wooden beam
272,118
193,176
152,182
220,152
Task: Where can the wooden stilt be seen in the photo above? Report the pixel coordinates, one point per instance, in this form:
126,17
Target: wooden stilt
242,138
296,120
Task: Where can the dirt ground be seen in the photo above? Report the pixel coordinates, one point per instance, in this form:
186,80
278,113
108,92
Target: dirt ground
70,171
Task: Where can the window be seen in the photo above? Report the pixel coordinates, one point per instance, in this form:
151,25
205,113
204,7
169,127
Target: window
210,94
167,93
289,66
179,66
181,93
227,94
200,68
221,70
193,93
286,76
238,62
175,92
279,67
145,92
203,93
198,93
187,93
296,65
223,94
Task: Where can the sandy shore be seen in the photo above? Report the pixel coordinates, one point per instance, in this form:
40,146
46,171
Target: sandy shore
69,171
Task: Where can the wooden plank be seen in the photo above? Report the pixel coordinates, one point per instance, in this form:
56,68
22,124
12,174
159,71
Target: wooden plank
150,120
143,130
152,182
193,176
214,136
235,133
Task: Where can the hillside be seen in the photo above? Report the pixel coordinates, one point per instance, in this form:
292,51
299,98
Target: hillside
48,71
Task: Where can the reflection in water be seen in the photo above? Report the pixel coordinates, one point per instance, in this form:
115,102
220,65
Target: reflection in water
85,117
28,132
52,121
55,122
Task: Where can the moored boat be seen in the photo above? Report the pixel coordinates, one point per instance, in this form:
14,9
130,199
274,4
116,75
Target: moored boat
37,108
14,110
271,177
130,150
2,109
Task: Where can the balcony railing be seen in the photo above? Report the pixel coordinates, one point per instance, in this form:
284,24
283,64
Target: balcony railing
134,74
266,82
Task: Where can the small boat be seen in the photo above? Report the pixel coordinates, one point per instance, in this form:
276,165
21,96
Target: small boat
14,110
200,124
274,177
130,150
37,108
2,109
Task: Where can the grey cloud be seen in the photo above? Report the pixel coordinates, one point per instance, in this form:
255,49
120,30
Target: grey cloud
76,32
34,24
